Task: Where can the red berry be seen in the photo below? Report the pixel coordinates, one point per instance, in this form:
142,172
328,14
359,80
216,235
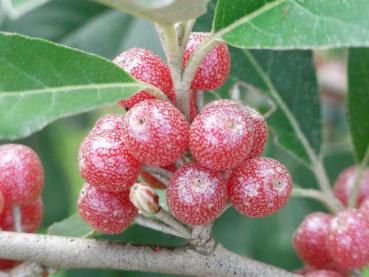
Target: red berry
105,162
259,187
345,182
109,122
148,67
348,238
107,212
32,214
156,133
196,195
364,206
6,265
221,138
309,240
323,273
21,174
152,181
214,69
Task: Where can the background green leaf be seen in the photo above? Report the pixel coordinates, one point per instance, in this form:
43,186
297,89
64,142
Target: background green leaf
286,24
54,82
17,8
358,100
72,226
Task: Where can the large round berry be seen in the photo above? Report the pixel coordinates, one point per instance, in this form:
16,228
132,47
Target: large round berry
322,273
109,122
148,67
196,195
21,174
105,162
106,212
259,187
152,181
344,183
214,69
348,239
156,132
32,214
221,138
309,240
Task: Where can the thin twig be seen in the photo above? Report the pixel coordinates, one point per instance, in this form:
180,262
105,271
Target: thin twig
313,194
199,100
168,219
17,218
157,171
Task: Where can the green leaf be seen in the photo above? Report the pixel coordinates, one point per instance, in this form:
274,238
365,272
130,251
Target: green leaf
289,24
16,8
41,82
170,11
358,101
73,226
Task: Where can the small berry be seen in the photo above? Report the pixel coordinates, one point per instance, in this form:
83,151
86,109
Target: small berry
6,265
344,183
259,187
105,162
21,174
144,198
154,182
32,214
148,67
109,122
309,240
196,195
214,69
348,239
156,133
221,138
323,273
107,212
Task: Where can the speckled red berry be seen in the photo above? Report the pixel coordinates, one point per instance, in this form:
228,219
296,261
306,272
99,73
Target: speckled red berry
6,265
156,132
21,174
221,137
259,187
323,273
364,206
309,240
105,162
154,182
106,212
196,195
260,133
148,67
345,182
144,198
32,214
109,122
214,69
348,238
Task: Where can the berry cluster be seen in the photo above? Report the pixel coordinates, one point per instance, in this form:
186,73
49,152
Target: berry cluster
340,242
213,159
21,183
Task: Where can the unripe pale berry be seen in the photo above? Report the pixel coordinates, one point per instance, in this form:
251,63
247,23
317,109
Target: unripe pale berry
144,198
344,183
156,132
105,162
109,122
214,69
221,138
21,174
309,240
148,67
259,187
152,181
106,212
32,214
348,239
196,195
323,273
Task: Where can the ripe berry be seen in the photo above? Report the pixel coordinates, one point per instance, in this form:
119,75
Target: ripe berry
364,206
323,273
196,195
21,174
345,182
309,240
109,122
148,67
107,212
32,214
144,198
221,138
152,181
105,162
348,238
156,133
259,187
214,69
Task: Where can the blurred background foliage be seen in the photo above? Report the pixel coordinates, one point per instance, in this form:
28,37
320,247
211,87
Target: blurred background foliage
97,29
